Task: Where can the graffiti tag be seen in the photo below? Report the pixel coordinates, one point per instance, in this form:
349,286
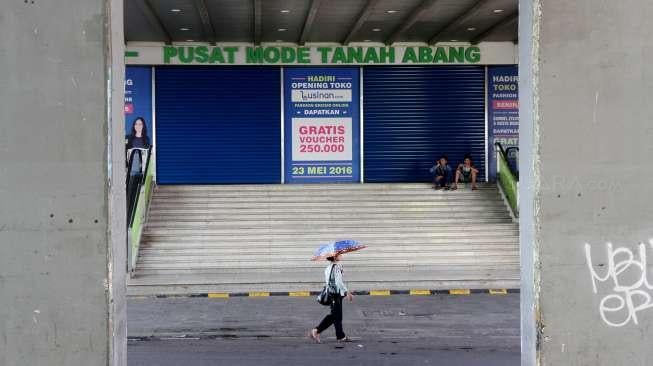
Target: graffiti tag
626,272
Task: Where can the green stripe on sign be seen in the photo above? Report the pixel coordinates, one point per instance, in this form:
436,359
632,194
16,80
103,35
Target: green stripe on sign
131,53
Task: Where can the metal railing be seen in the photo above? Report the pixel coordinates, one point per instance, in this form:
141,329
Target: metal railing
507,176
139,192
135,178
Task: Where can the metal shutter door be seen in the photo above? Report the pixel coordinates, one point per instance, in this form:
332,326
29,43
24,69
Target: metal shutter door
218,125
414,114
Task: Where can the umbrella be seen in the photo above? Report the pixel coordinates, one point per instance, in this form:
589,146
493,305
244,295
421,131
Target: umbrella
335,248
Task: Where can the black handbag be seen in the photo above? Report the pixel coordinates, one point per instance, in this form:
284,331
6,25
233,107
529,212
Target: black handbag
326,296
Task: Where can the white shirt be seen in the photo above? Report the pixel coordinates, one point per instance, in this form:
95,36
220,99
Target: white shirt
337,277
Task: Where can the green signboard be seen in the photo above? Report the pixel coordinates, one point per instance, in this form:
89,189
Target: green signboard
275,55
323,54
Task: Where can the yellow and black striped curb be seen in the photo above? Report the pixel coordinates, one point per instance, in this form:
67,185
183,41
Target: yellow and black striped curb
412,292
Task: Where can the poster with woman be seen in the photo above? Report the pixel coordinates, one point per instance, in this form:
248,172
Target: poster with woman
138,117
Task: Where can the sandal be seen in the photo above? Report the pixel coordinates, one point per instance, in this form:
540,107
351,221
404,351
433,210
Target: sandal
314,335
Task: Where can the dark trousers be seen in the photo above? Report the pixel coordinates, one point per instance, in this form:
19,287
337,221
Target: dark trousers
444,180
334,318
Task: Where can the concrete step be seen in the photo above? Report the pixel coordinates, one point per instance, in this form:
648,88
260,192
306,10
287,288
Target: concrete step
247,266
433,278
456,229
181,250
334,209
298,254
215,286
370,271
256,188
316,274
342,223
325,207
398,277
317,237
341,197
290,247
159,216
246,242
302,188
326,199
298,207
325,195
195,283
244,265
283,245
290,241
344,192
323,235
389,220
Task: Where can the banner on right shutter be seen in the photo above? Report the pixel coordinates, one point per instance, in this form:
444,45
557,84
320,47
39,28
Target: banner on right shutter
503,113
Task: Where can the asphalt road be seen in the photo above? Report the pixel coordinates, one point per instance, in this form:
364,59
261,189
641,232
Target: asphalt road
478,329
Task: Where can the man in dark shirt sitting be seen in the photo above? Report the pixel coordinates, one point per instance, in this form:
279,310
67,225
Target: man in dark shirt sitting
442,174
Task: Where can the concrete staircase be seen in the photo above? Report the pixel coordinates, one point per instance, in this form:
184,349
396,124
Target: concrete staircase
242,238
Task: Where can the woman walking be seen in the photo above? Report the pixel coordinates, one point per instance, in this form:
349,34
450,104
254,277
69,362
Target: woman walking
334,280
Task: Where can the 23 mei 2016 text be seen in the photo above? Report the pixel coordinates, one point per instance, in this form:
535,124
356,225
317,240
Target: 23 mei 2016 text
322,170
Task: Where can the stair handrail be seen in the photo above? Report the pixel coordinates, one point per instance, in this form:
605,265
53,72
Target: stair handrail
138,216
507,177
505,152
133,182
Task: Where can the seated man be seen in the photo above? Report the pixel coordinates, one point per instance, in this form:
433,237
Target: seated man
466,173
442,174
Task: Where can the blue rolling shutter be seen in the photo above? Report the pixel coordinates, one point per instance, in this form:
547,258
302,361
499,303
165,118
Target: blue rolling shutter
414,114
218,125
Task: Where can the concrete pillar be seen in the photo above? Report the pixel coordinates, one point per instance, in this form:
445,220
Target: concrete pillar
62,226
587,181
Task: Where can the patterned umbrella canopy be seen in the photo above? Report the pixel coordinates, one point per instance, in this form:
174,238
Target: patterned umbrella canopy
335,248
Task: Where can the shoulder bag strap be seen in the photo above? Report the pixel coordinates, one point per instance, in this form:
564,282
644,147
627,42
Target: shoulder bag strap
331,277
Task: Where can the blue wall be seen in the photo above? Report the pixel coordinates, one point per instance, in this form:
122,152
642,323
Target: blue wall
414,114
218,125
